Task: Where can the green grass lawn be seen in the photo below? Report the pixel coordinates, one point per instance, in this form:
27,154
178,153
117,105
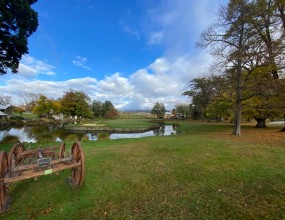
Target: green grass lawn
203,173
119,123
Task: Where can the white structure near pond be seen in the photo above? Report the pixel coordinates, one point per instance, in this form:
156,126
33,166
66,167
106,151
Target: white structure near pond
58,117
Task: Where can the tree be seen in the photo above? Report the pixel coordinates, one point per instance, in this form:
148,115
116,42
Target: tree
109,110
44,107
18,110
97,108
17,22
29,100
158,110
201,92
76,103
233,43
268,22
5,100
183,110
69,103
83,108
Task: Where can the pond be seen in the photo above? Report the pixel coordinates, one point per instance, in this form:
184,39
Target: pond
55,133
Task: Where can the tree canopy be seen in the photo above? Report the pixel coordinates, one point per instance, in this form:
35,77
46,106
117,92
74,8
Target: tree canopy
18,21
247,40
46,107
76,103
106,109
158,109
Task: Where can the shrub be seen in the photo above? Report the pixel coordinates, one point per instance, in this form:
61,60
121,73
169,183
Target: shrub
85,138
10,139
16,117
103,136
71,137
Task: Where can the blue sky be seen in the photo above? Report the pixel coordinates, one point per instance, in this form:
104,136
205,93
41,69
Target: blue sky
131,52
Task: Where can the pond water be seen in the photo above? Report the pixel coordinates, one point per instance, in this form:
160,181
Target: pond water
35,134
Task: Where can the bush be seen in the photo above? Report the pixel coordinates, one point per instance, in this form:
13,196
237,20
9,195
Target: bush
71,137
10,139
85,138
16,117
103,136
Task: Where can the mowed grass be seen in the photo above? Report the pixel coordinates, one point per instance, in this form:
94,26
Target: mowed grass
203,173
123,123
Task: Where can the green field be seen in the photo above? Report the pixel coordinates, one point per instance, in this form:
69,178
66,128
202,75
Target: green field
202,173
120,123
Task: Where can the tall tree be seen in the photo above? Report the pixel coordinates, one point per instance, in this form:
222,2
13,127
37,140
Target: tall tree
158,109
201,92
183,110
45,107
83,108
29,100
68,103
269,38
229,38
76,103
18,21
109,110
97,108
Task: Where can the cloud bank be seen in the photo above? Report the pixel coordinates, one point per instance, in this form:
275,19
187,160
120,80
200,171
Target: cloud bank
162,81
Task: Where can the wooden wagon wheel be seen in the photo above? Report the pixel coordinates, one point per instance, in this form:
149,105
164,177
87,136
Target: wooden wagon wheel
4,169
61,151
14,153
77,173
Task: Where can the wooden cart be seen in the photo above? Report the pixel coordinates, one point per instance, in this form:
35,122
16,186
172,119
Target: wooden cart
21,164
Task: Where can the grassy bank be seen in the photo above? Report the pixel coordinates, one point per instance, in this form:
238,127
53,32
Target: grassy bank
204,173
116,123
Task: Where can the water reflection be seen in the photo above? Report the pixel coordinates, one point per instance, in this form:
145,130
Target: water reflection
23,134
162,131
53,133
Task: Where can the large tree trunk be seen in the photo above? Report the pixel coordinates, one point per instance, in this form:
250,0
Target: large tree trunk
237,119
238,107
260,122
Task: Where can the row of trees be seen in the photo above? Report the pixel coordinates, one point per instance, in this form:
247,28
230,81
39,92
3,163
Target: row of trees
72,103
247,41
180,110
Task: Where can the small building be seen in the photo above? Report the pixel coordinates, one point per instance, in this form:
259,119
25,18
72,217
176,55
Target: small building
3,115
58,117
6,109
168,115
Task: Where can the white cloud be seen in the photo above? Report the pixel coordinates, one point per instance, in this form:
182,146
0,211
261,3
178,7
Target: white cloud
26,71
81,62
162,81
31,67
160,65
115,84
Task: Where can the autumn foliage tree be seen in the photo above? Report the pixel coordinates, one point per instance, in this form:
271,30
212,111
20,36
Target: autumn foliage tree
45,107
76,103
247,41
